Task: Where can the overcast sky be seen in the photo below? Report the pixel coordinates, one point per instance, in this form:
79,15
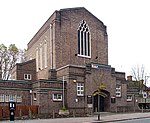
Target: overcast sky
127,21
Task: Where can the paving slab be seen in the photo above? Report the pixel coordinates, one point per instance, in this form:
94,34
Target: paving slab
105,117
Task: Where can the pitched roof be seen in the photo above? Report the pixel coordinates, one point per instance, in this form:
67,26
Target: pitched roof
47,23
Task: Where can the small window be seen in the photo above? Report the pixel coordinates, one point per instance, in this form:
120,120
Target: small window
80,89
2,98
27,76
57,97
19,98
118,91
129,98
12,97
6,98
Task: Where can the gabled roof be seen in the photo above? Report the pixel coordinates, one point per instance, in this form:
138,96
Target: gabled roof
84,9
81,8
47,23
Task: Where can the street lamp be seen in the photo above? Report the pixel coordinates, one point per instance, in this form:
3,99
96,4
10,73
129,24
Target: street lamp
135,103
63,92
76,101
31,96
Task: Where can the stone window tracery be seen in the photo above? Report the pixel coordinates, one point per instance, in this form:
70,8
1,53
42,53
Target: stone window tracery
84,41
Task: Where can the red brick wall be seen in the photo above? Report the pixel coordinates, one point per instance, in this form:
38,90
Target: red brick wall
26,68
64,40
18,87
20,111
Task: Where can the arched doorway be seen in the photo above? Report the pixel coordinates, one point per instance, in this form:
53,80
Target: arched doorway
100,101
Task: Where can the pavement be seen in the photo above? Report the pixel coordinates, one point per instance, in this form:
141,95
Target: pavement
104,118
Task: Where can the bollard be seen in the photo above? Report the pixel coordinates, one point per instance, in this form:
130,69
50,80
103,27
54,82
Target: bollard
53,114
99,118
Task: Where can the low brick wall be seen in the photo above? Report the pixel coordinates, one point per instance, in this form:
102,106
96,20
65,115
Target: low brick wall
20,111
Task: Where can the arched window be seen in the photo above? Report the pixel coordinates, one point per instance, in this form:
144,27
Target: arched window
37,60
84,41
41,56
45,54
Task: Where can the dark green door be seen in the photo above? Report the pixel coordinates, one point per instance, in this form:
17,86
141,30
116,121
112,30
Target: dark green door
98,104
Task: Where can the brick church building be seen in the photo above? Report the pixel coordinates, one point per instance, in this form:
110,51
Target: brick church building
67,65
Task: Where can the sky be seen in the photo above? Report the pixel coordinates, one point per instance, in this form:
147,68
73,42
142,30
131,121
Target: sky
127,21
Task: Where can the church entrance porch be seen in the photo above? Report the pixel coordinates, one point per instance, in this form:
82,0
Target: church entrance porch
101,101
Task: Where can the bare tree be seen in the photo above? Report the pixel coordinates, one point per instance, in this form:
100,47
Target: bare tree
8,58
22,55
138,73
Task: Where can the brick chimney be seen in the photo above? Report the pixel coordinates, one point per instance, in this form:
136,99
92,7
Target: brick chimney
129,78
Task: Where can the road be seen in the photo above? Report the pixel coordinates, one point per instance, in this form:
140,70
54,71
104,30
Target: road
145,120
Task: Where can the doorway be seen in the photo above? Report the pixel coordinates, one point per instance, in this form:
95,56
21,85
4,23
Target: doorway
101,101
98,104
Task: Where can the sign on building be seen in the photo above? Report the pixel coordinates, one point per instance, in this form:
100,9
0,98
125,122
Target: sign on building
144,94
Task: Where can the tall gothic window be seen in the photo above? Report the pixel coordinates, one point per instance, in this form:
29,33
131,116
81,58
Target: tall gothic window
37,60
41,57
45,54
84,42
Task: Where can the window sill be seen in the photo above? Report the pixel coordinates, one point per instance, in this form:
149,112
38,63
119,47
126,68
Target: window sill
84,56
80,95
57,100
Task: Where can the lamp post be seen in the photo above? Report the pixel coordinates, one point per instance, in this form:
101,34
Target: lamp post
63,92
99,107
76,101
31,96
135,103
